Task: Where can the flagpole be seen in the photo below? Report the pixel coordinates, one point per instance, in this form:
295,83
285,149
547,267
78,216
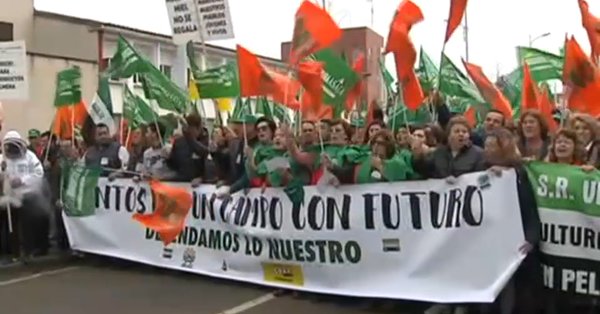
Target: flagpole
466,30
203,67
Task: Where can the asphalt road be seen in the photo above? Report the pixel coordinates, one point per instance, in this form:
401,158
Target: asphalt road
93,286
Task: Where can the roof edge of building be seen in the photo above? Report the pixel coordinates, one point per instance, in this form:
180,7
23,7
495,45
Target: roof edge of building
99,25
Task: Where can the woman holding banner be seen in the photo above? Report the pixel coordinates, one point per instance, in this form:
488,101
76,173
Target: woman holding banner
520,294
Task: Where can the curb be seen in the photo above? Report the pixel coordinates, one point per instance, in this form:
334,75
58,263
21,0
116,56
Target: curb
43,261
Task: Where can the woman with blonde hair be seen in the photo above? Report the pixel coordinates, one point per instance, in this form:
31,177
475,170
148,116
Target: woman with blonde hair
587,130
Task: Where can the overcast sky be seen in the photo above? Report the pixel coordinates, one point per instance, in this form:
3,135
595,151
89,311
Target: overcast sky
495,27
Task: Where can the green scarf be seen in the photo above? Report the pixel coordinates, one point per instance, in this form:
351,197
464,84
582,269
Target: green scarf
394,169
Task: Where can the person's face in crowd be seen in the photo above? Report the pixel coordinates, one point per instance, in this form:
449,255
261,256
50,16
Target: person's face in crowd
12,150
219,137
378,147
34,141
308,134
432,140
584,133
374,129
338,135
43,141
194,131
250,130
459,136
279,139
265,135
491,147
531,127
419,136
103,136
325,130
492,121
402,137
152,137
136,136
564,148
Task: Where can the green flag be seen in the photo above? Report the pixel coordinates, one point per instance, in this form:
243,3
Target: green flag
543,65
160,88
219,82
280,112
338,79
427,72
78,189
126,61
263,108
388,81
135,110
68,87
100,109
455,83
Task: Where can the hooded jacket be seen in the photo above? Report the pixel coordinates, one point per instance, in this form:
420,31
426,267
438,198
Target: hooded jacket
27,167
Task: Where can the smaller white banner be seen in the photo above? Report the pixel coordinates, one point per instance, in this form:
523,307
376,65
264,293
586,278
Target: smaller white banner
13,71
184,21
215,19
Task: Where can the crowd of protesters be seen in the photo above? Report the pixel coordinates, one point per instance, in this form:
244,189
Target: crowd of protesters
239,156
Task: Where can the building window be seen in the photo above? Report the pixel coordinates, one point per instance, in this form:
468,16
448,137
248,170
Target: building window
6,31
137,78
166,70
105,64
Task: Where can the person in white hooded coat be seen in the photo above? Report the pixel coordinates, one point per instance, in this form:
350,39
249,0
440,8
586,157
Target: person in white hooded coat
26,193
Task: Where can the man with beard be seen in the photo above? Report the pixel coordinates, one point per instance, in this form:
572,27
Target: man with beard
27,196
106,152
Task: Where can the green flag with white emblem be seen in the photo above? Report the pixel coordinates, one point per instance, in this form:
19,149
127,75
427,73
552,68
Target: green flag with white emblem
219,82
338,79
78,189
135,110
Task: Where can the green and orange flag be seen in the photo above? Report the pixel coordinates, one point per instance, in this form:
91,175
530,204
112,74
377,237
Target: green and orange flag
314,29
171,207
582,79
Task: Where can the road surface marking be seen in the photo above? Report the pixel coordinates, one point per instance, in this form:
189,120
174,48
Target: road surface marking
38,275
250,304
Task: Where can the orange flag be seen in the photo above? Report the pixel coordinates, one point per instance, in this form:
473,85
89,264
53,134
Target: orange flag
254,78
354,94
407,15
530,94
405,53
399,41
457,11
314,30
546,108
592,28
66,118
310,75
582,79
471,116
488,90
285,90
412,93
257,80
314,111
171,206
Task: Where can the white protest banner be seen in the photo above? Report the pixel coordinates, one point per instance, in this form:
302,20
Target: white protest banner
420,240
184,21
215,19
13,71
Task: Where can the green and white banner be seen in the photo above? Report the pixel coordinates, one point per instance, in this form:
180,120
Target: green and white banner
569,205
418,240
